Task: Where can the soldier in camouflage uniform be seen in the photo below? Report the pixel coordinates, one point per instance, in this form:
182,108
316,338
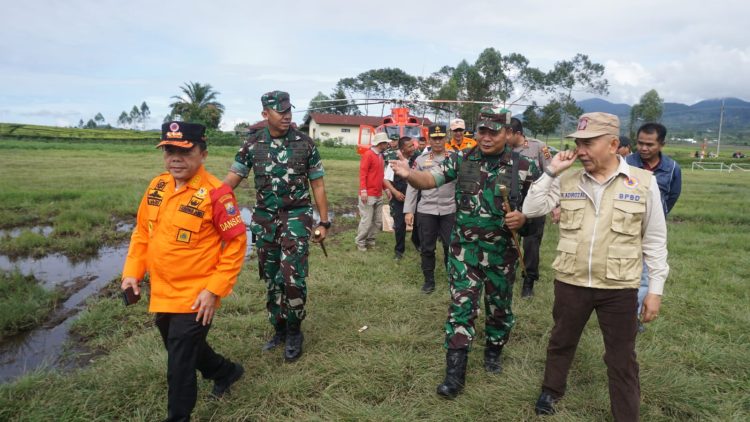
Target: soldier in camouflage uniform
391,153
397,188
286,164
482,250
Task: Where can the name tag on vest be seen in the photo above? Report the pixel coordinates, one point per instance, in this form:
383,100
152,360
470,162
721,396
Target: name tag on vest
572,195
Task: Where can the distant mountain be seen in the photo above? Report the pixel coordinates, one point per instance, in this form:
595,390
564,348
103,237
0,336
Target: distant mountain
597,104
700,119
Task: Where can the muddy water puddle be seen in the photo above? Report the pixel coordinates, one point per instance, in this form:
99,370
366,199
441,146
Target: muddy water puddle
43,347
16,232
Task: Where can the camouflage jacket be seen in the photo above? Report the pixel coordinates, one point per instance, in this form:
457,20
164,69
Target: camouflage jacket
390,154
480,219
282,168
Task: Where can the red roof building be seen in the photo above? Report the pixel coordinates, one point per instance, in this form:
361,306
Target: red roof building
330,126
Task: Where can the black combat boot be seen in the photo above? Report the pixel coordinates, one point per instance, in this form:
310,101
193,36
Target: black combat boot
429,284
294,339
528,287
492,361
278,338
545,404
455,373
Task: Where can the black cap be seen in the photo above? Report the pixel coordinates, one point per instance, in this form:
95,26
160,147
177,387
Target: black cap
181,134
437,131
469,134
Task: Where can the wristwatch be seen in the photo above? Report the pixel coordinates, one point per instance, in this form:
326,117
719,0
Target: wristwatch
326,224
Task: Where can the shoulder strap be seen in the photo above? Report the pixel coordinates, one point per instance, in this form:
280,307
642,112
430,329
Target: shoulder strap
515,191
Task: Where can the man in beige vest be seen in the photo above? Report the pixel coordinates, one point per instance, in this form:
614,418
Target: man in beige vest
611,222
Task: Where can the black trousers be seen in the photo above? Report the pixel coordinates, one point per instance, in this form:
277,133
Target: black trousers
432,227
399,226
187,350
615,310
415,233
531,245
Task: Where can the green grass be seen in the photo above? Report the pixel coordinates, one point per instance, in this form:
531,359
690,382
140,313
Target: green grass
695,360
23,303
84,190
14,130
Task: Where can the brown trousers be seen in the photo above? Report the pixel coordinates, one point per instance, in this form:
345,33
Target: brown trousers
615,310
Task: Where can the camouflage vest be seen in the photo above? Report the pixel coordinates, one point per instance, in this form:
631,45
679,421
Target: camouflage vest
274,175
470,179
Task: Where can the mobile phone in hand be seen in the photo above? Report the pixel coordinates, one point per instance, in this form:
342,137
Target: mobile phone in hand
129,297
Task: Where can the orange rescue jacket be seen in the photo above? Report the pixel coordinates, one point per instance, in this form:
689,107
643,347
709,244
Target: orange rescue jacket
188,240
466,143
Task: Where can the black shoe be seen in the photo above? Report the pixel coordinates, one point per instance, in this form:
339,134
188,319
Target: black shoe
428,286
492,361
221,386
545,404
528,288
293,349
455,373
398,257
278,339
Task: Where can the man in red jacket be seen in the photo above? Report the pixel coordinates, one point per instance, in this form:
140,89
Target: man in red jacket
371,168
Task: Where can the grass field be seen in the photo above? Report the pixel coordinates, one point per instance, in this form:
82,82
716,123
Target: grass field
695,360
23,303
73,134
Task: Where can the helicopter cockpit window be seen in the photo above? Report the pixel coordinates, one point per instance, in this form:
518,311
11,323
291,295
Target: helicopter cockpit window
412,131
392,130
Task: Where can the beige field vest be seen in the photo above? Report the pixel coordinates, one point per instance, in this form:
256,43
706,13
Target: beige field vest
602,249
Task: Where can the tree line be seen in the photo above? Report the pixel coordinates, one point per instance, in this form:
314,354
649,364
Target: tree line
136,119
495,77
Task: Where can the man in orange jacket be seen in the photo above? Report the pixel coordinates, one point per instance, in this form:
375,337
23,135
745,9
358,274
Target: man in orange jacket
459,141
190,238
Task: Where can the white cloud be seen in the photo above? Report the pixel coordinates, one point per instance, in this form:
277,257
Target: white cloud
111,55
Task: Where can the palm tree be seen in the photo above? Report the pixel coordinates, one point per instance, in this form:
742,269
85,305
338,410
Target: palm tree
198,105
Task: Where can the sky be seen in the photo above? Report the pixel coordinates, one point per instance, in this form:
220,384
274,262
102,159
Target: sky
61,61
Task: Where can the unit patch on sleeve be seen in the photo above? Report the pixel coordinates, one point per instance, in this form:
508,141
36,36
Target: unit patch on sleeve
226,216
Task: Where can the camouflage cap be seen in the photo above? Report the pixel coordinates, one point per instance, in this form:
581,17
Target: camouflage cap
494,118
276,100
593,125
181,134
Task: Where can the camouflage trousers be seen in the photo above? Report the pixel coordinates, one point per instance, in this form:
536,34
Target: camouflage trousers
466,282
283,266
